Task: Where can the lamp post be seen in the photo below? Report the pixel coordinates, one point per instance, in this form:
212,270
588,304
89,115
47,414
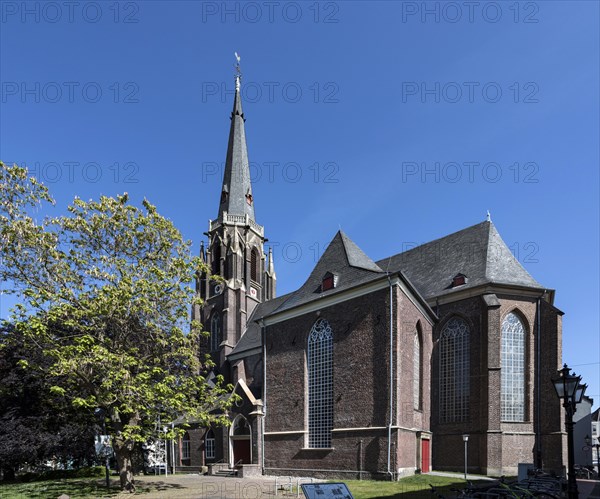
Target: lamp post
465,440
569,389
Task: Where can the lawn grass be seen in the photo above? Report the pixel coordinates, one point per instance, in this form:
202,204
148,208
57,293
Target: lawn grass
417,486
45,489
75,488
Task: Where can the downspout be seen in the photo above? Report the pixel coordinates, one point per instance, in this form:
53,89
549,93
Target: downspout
538,378
391,396
264,394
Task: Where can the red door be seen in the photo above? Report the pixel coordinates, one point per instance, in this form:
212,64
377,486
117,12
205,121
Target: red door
241,451
425,456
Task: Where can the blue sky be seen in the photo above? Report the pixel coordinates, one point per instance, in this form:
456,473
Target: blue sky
399,122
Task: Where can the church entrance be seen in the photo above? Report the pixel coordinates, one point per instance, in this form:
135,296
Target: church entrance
240,440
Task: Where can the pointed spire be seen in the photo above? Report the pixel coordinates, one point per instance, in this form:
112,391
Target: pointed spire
202,252
270,263
236,194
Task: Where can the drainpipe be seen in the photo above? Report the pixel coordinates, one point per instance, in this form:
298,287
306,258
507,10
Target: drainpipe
264,394
538,382
389,446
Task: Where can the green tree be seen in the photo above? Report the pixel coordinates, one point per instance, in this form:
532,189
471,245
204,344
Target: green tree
105,293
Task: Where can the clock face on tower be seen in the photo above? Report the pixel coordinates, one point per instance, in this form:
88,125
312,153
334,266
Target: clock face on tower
253,292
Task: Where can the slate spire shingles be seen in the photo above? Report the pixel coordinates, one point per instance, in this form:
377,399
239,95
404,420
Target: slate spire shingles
236,193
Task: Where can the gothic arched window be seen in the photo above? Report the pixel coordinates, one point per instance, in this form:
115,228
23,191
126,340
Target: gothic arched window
512,354
215,332
417,368
320,385
254,265
454,371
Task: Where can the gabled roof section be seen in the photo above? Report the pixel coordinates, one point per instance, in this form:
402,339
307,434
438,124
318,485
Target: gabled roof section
236,193
478,252
342,258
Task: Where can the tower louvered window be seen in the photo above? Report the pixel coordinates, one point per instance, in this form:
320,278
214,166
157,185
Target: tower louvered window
320,385
254,265
216,259
454,371
215,332
513,369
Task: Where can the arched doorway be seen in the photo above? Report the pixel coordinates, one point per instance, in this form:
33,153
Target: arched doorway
240,441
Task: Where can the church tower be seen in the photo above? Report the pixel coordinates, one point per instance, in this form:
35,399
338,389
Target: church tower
235,251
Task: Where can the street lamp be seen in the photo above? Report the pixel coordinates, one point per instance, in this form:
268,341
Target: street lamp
568,389
465,440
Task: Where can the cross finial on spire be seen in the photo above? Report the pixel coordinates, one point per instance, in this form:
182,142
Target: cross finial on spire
238,72
489,217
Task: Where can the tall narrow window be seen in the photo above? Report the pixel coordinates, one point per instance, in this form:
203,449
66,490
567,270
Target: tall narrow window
215,332
209,445
417,371
185,446
513,369
254,265
320,385
216,258
454,371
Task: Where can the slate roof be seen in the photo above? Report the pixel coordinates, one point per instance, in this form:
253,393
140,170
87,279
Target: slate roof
236,178
346,261
478,252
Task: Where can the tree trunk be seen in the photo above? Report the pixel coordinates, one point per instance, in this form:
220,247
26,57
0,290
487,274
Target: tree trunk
123,452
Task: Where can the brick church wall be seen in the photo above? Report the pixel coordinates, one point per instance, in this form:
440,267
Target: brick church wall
361,388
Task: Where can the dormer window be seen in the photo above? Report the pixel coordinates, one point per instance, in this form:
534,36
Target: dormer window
459,280
329,281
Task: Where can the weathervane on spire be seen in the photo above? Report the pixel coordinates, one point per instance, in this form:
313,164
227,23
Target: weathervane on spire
489,216
238,72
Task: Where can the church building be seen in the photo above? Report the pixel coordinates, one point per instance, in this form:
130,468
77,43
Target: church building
374,368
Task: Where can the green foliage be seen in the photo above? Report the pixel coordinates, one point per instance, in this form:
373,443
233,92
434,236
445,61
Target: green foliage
105,293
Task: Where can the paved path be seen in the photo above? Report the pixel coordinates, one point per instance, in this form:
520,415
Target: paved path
199,486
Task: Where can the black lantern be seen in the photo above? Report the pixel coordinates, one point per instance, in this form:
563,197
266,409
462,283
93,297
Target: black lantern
570,391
